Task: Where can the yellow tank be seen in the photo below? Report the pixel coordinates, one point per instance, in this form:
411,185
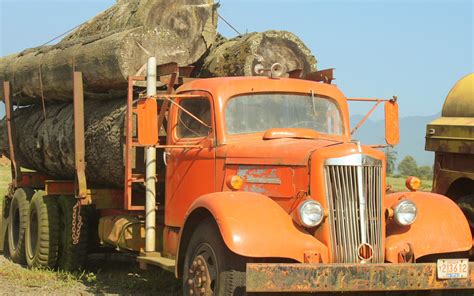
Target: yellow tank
454,130
460,100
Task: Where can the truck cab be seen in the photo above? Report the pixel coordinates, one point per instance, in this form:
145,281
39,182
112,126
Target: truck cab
260,188
266,174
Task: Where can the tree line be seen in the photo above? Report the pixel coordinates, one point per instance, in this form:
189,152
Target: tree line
406,167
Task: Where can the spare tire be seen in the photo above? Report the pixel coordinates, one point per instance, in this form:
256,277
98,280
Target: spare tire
42,231
17,221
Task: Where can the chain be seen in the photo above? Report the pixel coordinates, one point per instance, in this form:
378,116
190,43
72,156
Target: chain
76,218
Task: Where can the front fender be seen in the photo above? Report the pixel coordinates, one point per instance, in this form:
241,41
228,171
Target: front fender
253,225
440,227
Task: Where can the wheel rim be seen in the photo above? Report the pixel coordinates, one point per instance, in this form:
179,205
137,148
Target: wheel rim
202,273
33,233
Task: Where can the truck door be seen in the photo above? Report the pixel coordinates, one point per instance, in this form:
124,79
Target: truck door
190,171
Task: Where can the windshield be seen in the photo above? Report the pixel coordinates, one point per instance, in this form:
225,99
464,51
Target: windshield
255,113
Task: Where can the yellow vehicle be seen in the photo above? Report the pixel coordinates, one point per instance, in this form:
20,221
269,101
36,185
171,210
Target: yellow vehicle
451,137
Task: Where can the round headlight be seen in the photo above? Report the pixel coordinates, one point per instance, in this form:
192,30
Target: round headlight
311,213
405,212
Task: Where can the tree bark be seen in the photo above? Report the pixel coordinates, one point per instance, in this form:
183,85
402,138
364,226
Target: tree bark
110,47
245,55
47,145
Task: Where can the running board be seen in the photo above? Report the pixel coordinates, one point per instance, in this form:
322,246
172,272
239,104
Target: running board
155,259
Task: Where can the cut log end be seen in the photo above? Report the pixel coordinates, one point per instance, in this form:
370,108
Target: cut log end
247,55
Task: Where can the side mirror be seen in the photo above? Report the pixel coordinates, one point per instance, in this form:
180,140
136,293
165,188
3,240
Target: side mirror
392,128
147,122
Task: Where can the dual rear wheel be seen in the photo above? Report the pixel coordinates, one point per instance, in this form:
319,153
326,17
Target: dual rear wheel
40,231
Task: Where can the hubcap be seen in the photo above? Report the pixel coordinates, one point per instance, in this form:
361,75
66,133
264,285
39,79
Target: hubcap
202,273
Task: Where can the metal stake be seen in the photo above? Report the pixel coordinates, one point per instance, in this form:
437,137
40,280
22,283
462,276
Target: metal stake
150,174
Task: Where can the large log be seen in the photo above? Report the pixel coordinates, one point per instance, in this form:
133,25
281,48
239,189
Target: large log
47,144
112,46
245,55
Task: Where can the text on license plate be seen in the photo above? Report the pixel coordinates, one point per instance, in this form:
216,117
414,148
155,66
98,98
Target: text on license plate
453,268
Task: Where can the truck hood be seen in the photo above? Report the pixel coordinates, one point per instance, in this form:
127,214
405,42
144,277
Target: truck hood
285,151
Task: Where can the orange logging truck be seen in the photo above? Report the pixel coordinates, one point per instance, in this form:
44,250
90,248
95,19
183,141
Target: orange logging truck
264,191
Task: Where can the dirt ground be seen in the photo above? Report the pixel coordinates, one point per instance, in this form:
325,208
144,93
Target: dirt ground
111,274
118,274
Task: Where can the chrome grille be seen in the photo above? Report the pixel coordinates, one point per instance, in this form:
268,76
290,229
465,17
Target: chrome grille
354,193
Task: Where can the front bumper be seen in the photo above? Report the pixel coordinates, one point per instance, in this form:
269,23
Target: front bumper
269,277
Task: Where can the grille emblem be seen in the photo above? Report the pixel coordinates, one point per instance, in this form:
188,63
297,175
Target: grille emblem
365,252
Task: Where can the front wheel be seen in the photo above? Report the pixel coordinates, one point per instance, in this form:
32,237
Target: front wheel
210,268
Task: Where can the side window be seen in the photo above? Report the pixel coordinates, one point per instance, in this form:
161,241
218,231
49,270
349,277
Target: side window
189,127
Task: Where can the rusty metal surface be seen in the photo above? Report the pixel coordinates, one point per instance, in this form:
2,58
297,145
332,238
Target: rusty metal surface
79,141
15,166
449,168
32,180
451,134
128,180
365,117
101,198
349,277
326,76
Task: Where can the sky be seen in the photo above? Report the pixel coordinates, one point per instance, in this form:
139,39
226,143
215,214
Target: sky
414,49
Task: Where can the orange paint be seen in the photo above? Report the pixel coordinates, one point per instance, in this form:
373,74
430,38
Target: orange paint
392,128
147,121
254,225
440,227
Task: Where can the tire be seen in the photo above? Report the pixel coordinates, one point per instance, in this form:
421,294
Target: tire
17,221
42,231
5,210
224,270
466,203
71,257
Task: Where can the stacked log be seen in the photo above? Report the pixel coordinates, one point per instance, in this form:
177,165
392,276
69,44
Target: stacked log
112,46
109,48
46,144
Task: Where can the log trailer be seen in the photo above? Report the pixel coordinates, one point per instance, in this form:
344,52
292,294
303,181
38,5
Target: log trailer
242,184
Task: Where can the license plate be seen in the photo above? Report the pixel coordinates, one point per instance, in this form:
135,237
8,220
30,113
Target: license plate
452,268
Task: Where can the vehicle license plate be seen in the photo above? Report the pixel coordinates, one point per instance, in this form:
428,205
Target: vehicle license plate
453,268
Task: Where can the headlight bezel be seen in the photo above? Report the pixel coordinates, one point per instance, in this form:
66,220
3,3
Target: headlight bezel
397,212
300,214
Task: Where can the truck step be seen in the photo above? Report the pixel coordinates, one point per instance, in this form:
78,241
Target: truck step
157,260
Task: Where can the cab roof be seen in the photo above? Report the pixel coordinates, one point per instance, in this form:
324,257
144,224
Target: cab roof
227,87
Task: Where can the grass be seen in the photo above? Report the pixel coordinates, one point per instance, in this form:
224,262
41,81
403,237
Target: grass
42,278
105,274
5,177
398,184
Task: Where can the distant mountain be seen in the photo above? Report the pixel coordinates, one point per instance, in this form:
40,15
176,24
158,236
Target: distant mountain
412,136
